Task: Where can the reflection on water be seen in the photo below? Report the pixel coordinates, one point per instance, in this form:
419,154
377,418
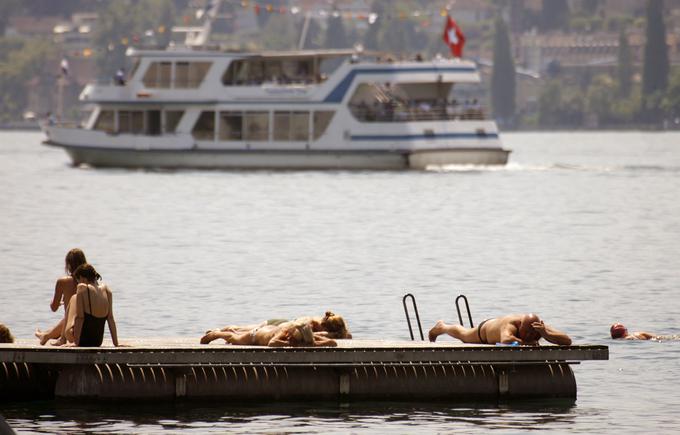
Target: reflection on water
69,416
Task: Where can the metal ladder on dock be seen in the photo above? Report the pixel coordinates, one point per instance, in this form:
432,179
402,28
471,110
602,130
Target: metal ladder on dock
409,296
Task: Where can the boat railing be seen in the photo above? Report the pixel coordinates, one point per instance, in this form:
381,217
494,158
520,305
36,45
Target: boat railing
385,112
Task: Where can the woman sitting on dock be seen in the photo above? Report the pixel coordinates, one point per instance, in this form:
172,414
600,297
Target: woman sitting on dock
297,333
89,309
331,325
64,289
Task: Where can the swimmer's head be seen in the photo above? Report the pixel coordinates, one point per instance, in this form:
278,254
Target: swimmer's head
618,330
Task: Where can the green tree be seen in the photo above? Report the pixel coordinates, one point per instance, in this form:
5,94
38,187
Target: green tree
600,99
503,75
624,69
655,65
555,15
560,106
590,7
335,32
671,102
25,61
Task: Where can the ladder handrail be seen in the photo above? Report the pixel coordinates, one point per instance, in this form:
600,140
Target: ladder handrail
467,307
408,320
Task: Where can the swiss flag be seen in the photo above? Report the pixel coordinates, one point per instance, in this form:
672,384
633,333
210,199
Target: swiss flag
454,37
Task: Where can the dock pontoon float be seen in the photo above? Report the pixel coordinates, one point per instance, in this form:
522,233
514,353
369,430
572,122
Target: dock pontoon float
357,369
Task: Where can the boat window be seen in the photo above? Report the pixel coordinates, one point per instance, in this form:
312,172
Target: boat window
182,75
197,72
123,121
256,126
150,77
231,126
291,126
137,122
153,122
172,118
204,129
299,126
281,125
321,121
164,74
249,72
104,121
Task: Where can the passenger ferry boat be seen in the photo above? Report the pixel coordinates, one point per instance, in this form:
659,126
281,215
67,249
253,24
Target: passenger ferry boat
193,107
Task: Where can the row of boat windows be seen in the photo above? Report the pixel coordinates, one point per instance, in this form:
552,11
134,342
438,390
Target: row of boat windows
231,125
179,75
186,75
254,126
151,122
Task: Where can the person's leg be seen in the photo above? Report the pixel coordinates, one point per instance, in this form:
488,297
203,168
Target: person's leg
466,335
244,338
54,332
68,332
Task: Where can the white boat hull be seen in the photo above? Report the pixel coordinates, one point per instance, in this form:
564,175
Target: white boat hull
223,159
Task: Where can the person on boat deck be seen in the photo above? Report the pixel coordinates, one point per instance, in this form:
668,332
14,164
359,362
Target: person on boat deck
331,325
525,329
90,308
298,333
618,330
5,334
64,289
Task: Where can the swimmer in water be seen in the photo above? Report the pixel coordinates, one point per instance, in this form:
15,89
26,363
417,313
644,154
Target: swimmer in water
618,330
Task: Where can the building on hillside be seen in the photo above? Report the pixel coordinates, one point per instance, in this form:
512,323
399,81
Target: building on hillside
24,26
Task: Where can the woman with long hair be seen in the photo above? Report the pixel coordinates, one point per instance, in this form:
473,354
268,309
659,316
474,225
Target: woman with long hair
64,289
89,309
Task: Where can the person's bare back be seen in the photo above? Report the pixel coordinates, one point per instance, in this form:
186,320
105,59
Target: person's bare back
521,328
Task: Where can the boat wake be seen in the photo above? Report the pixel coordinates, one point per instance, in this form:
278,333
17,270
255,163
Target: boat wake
529,167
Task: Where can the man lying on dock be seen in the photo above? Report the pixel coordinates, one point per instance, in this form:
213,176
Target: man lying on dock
525,329
298,333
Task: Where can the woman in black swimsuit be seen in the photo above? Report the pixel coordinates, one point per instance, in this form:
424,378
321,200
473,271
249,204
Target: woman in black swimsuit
90,308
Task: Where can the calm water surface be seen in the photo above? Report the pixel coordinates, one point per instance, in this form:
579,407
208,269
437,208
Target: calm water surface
583,228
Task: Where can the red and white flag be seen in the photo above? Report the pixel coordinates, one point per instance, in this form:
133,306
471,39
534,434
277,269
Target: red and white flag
454,37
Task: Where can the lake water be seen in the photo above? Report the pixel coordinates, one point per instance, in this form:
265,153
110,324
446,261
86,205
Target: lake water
582,228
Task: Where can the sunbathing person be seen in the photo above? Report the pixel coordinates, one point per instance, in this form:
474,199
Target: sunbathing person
286,334
89,309
64,289
333,325
5,334
618,330
521,328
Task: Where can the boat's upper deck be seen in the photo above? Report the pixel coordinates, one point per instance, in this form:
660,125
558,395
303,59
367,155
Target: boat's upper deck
324,76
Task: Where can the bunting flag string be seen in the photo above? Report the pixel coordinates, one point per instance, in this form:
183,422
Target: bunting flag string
264,7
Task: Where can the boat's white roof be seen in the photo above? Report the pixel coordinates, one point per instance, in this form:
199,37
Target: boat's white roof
189,52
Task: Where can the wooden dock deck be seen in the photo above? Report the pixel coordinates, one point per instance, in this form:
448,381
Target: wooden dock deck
358,369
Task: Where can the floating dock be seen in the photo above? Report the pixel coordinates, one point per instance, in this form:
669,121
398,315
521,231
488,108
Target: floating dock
170,369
